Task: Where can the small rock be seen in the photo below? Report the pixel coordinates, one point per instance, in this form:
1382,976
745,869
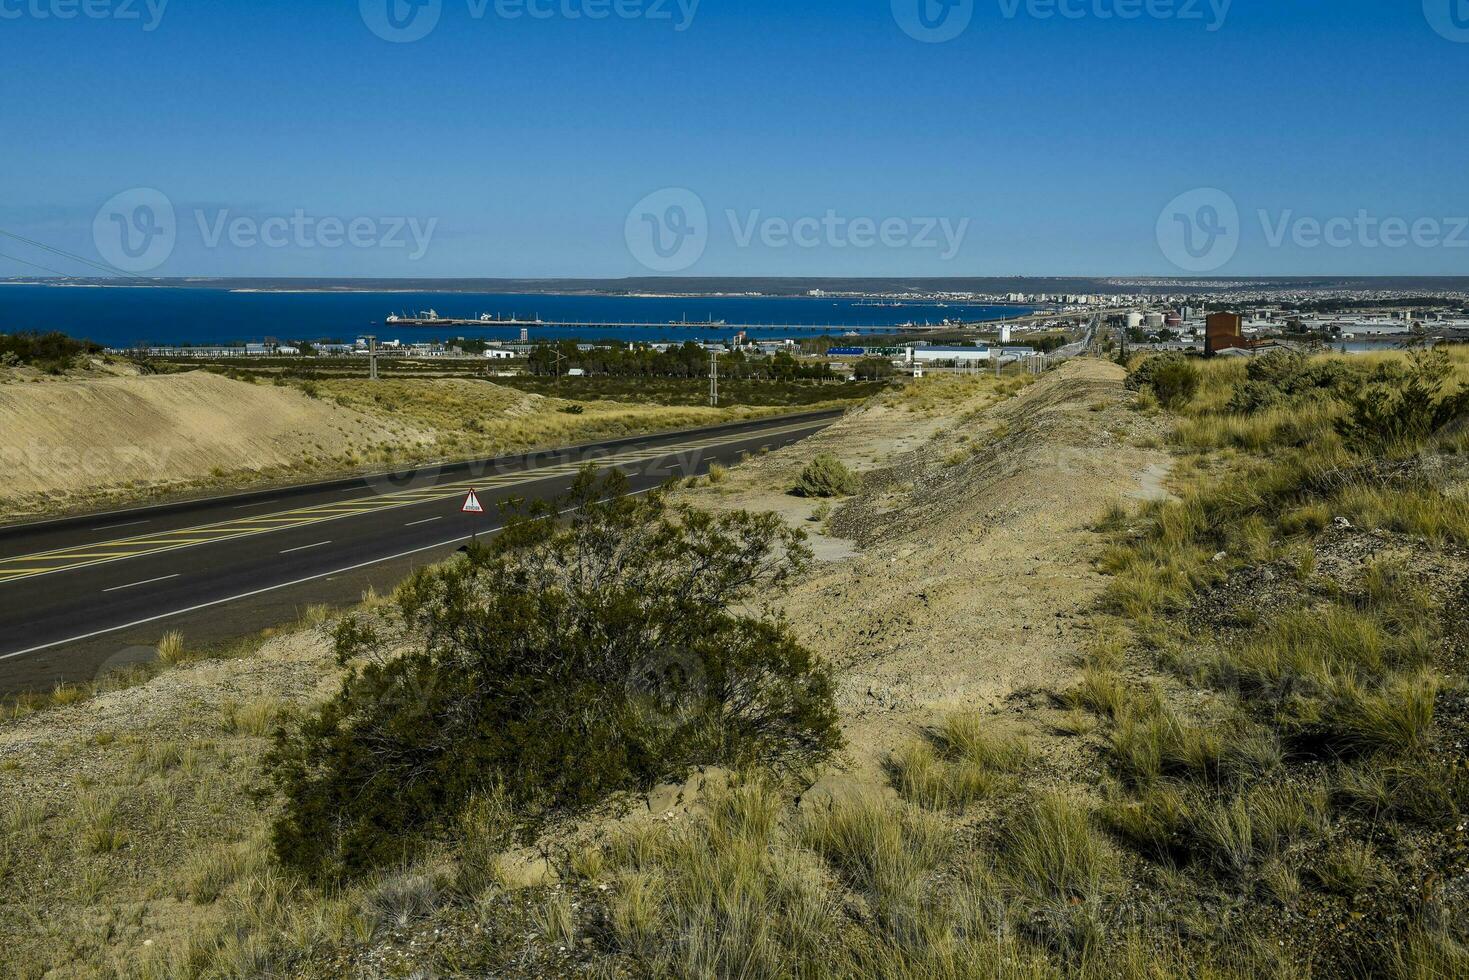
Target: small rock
1342,524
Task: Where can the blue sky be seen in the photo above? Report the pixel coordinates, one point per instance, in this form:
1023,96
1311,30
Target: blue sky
518,145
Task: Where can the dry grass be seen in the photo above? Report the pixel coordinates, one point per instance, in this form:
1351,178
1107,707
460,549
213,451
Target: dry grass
256,717
1268,429
477,418
960,764
1350,677
171,650
1051,851
557,920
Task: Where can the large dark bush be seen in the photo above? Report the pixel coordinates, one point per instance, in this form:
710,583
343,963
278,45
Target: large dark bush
1283,376
1173,378
1400,406
563,661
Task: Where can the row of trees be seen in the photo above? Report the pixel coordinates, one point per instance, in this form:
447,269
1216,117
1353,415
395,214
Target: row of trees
687,361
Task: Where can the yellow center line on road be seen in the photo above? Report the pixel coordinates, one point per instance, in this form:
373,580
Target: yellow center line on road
80,556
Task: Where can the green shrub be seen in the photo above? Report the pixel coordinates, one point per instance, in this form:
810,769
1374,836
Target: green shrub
1283,376
826,476
1171,377
1176,383
1402,406
563,661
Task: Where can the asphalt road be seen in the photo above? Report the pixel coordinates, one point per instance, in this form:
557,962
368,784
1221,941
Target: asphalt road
82,595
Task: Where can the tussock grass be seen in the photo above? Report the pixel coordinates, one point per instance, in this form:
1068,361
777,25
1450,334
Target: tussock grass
256,717
1230,832
1100,691
171,649
589,863
556,919
155,758
1349,868
961,763
402,897
65,694
1347,678
1051,851
208,874
883,849
22,818
1431,514
1429,791
1427,953
1395,717
731,895
98,824
473,417
936,392
1151,741
483,829
1272,428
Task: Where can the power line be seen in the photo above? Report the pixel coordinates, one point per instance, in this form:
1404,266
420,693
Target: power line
35,265
67,255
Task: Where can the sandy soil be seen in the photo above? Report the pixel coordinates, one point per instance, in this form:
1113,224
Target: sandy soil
106,437
968,580
79,439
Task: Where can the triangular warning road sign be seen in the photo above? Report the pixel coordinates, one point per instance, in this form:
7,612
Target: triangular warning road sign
472,504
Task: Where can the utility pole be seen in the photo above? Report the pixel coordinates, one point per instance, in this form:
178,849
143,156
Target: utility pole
371,357
714,378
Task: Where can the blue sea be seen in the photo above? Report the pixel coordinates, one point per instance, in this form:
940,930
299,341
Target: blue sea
133,316
127,316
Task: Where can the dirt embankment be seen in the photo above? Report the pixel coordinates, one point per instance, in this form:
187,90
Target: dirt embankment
971,572
85,443
70,443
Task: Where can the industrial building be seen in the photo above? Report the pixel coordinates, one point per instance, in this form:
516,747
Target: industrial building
1224,331
983,352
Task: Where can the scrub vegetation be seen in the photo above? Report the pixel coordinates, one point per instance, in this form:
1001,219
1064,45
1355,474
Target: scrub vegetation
555,665
52,353
597,746
1289,720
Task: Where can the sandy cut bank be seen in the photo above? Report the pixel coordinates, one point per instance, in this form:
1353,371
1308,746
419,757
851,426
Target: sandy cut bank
77,442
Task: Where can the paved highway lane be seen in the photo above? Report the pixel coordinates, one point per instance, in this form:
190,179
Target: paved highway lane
80,595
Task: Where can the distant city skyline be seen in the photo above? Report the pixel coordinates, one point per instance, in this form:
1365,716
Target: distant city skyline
593,138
